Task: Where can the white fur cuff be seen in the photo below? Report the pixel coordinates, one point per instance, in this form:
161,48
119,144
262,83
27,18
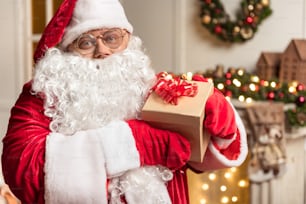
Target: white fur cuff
223,143
221,160
119,148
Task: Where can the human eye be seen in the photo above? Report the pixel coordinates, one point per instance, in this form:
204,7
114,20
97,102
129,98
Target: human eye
86,42
111,38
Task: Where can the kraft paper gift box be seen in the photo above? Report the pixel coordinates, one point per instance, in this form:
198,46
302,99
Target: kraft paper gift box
185,118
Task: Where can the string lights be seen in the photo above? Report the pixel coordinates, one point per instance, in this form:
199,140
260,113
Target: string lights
226,186
246,87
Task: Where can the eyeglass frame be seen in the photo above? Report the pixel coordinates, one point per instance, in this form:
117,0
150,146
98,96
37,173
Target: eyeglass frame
95,38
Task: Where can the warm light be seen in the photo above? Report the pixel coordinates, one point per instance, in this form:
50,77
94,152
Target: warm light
203,201
236,82
241,98
265,2
228,98
223,188
234,199
210,80
273,84
240,72
252,87
224,199
248,100
233,169
212,176
226,186
251,7
220,86
242,183
189,76
294,83
205,186
292,89
236,29
266,83
255,79
227,175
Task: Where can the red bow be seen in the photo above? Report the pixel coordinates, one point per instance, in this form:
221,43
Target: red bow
170,88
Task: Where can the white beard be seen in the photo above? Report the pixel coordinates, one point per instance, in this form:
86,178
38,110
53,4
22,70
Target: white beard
82,93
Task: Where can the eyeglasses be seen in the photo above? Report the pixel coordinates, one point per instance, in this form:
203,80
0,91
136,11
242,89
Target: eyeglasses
87,43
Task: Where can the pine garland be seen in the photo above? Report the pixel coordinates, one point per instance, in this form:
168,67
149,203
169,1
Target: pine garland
236,83
244,86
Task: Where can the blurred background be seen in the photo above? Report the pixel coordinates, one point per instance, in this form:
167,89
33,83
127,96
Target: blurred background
177,41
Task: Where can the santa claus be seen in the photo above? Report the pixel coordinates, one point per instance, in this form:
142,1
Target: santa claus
75,135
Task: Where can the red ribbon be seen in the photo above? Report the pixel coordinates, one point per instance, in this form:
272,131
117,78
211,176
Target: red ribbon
171,88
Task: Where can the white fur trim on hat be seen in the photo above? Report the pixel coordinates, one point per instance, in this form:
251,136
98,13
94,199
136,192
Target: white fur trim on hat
95,14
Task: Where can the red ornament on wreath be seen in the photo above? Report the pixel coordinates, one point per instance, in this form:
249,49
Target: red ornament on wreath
249,20
218,29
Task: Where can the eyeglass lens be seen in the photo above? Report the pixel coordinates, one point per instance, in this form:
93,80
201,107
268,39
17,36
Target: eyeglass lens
111,38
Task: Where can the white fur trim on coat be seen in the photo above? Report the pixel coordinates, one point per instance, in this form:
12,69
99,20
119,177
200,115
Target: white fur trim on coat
77,166
74,169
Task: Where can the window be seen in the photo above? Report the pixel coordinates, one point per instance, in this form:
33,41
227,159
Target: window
41,12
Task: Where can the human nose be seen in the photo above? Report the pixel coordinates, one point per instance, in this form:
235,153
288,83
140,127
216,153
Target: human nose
101,50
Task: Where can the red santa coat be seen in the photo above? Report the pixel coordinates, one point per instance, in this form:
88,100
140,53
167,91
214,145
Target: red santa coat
24,151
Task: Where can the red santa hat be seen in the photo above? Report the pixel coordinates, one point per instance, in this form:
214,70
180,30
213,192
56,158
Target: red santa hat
75,17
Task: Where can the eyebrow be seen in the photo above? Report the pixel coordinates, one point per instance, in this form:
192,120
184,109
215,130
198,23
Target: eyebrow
104,30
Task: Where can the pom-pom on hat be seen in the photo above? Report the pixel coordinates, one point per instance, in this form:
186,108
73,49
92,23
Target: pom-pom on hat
75,17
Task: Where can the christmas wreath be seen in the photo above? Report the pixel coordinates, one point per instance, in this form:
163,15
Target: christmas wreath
218,22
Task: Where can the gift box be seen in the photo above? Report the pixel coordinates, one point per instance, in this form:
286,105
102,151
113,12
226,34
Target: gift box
185,118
